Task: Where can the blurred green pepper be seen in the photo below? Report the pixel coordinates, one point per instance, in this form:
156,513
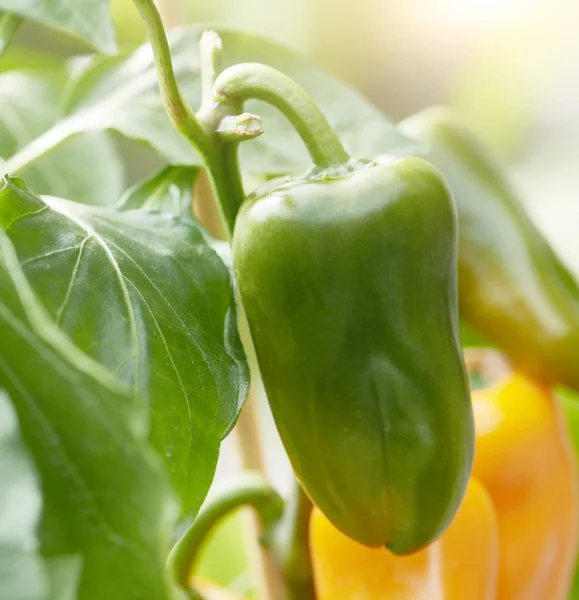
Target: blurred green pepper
348,278
513,289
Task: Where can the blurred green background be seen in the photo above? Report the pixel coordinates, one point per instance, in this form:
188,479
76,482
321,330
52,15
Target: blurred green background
510,68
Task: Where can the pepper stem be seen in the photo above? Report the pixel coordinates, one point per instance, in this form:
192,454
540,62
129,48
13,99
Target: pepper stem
249,489
257,81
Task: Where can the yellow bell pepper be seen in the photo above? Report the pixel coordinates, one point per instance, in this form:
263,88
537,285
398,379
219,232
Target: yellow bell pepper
461,565
524,459
516,538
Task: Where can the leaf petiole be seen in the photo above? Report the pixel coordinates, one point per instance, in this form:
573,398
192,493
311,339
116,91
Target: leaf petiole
248,489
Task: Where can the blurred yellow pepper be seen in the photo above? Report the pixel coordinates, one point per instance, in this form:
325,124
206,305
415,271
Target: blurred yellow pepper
461,565
516,538
524,459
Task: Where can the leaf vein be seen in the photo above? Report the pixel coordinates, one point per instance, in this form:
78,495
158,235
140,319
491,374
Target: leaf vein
121,279
72,281
48,255
177,374
23,216
186,329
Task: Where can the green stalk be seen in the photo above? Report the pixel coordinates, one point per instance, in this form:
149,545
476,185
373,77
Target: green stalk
179,111
248,81
219,157
226,180
249,489
292,546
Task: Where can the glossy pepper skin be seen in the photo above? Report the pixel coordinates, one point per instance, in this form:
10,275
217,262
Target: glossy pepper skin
525,461
461,565
348,279
513,289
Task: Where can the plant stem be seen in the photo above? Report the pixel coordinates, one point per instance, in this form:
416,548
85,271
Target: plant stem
179,111
292,546
249,489
253,80
219,157
223,161
226,180
9,25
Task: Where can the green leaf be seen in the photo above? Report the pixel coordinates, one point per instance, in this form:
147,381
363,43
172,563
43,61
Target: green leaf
122,94
22,574
24,58
146,295
88,19
105,494
87,167
170,190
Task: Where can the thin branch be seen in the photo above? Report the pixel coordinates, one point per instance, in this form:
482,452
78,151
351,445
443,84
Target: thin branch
180,113
292,546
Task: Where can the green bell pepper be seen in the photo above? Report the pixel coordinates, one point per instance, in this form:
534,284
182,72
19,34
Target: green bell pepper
513,289
348,279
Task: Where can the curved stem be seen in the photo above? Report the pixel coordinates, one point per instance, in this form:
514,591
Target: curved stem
292,546
253,80
180,113
220,158
250,489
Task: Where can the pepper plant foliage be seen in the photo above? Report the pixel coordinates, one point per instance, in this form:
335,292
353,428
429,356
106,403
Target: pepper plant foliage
121,365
